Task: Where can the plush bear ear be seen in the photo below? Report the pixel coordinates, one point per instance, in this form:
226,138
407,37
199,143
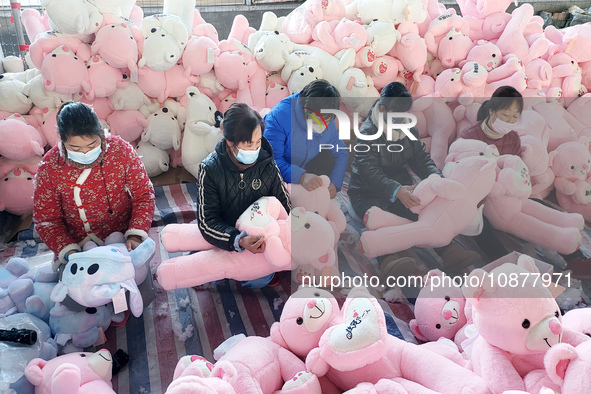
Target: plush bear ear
414,328
585,141
475,288
557,360
528,263
276,335
226,371
551,156
34,371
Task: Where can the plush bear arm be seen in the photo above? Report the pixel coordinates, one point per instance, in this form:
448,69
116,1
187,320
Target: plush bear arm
565,186
66,379
449,189
315,363
498,372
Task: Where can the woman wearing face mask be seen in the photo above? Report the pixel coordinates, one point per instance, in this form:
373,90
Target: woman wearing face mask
240,171
496,119
90,185
300,159
381,178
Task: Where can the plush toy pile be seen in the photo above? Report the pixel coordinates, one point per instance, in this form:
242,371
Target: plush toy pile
508,340
163,81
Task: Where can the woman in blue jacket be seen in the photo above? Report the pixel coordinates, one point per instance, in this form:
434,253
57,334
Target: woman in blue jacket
302,160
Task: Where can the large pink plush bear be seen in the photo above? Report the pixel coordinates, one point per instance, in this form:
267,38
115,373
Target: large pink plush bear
516,324
568,367
439,309
64,72
448,206
318,201
534,153
265,217
509,209
20,141
253,365
360,352
74,373
16,188
571,163
411,50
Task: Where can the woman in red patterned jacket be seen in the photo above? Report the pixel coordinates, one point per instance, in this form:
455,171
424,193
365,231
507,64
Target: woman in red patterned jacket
90,185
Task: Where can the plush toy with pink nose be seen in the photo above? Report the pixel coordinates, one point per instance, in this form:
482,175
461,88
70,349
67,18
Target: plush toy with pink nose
517,325
64,72
571,163
439,309
299,238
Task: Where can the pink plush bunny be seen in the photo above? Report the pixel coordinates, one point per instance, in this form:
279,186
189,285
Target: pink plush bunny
448,207
571,163
509,209
288,240
360,353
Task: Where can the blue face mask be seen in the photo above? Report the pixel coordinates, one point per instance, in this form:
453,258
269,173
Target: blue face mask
85,158
247,156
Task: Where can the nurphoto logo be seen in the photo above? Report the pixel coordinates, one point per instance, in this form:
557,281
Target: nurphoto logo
397,123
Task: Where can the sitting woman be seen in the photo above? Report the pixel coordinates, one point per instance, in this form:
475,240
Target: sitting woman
300,159
496,119
381,178
240,171
88,186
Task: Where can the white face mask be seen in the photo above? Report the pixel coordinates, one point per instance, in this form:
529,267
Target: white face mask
318,129
85,158
501,127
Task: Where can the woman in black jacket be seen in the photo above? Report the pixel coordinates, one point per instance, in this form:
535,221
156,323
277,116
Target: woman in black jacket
240,171
381,178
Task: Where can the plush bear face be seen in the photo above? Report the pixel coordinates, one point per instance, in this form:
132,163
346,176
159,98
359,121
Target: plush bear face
578,320
439,310
272,50
571,160
163,129
200,108
305,317
454,47
462,148
104,79
312,239
474,172
449,82
155,159
11,97
303,76
64,72
160,50
382,36
20,141
89,366
487,54
117,45
521,320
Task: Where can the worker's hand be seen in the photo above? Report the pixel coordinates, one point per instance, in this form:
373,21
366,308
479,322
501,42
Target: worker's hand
310,181
404,194
133,241
253,244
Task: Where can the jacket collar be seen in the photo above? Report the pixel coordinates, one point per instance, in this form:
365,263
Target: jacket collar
265,155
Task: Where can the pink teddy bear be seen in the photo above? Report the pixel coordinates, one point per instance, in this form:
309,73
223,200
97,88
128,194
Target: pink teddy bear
509,209
128,124
20,141
411,50
440,27
566,74
359,354
454,48
104,80
16,188
578,320
571,163
265,217
484,53
47,42
74,373
238,371
334,36
64,72
448,206
439,309
200,54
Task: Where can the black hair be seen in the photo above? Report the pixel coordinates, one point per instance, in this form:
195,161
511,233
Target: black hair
239,122
395,97
502,98
77,119
320,94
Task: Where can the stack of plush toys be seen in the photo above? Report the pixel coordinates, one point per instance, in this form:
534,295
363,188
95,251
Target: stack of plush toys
505,339
167,99
92,279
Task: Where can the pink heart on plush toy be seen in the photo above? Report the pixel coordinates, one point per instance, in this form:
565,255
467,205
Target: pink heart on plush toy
360,330
371,56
